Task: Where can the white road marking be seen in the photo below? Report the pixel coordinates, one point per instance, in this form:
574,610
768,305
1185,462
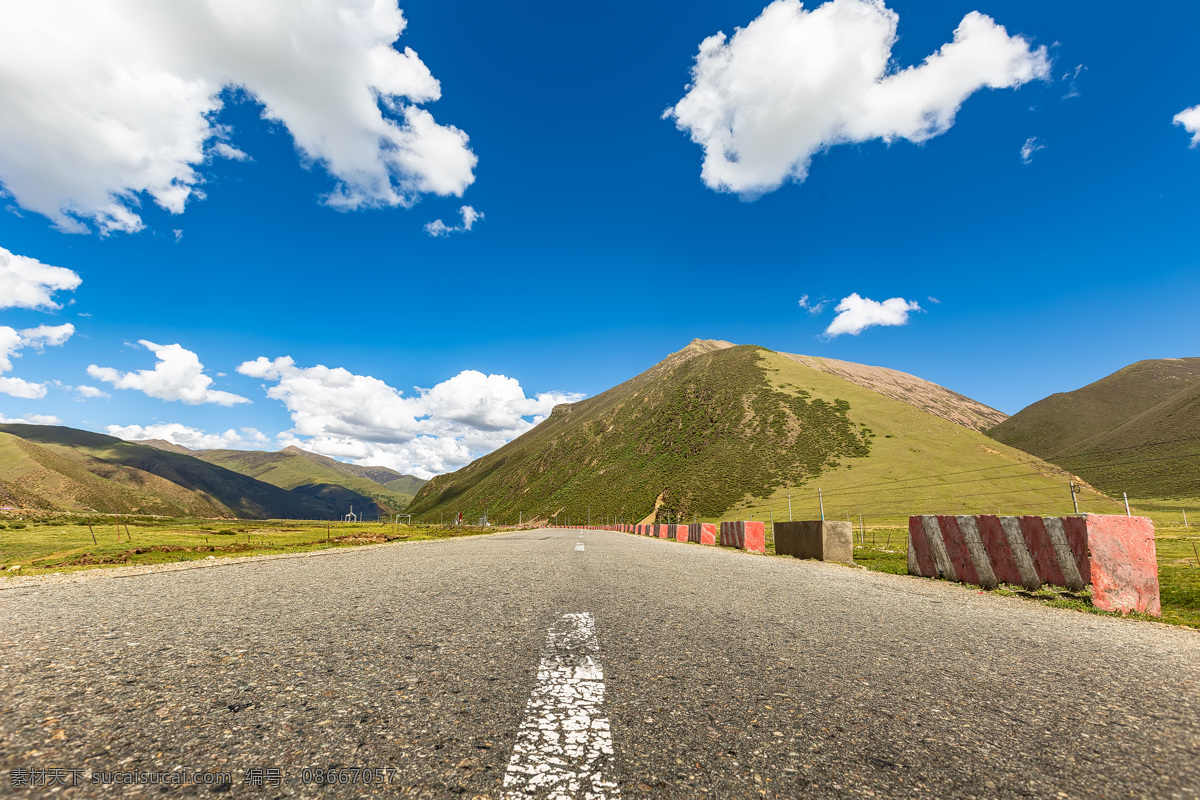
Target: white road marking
565,742
579,547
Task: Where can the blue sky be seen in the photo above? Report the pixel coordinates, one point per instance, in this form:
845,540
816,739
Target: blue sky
600,248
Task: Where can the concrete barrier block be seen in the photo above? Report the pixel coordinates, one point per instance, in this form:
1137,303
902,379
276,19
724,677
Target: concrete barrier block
661,531
679,533
703,533
1123,564
750,536
824,541
1114,554
754,536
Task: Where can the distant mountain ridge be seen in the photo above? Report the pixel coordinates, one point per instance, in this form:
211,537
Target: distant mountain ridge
1136,430
374,491
59,468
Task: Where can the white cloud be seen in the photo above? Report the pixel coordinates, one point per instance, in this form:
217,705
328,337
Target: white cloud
31,419
178,375
91,392
103,100
192,438
1189,118
1072,76
1031,146
13,341
794,81
469,217
223,150
17,387
812,308
364,420
28,283
856,314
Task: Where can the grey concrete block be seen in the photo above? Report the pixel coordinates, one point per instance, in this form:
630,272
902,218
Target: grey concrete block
824,541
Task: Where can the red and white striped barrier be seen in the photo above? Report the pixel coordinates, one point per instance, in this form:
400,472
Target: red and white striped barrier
1114,554
750,536
702,532
679,533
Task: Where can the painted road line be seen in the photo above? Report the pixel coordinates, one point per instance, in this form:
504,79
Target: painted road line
564,745
579,547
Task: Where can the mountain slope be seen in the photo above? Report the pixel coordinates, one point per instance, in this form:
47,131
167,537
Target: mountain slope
341,485
715,430
56,467
1136,430
928,396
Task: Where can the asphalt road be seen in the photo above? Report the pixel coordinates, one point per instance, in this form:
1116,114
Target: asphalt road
712,673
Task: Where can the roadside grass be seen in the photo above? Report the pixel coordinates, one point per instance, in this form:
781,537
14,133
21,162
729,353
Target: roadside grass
65,545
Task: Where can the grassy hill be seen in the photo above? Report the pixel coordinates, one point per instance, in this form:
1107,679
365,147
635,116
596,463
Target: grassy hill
50,467
1136,430
720,431
369,490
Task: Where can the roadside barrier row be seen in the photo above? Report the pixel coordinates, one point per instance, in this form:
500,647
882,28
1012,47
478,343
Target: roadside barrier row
1115,555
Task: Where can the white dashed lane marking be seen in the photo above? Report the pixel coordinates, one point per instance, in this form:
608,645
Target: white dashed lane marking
564,746
579,547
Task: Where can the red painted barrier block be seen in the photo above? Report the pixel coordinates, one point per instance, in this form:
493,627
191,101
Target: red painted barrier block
680,532
702,533
661,531
1123,564
751,536
1114,554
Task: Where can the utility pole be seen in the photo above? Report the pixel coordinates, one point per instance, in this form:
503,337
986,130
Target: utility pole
789,506
1074,498
1127,513
1184,519
821,500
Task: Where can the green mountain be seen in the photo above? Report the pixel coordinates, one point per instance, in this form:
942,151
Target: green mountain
1136,430
718,431
374,491
57,468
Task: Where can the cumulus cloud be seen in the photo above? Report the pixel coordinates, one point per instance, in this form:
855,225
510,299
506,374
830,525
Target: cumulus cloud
103,101
856,314
362,419
1189,118
794,81
469,218
13,341
28,283
91,392
1031,146
31,419
178,375
193,438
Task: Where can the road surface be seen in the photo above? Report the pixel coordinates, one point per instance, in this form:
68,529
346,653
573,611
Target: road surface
582,663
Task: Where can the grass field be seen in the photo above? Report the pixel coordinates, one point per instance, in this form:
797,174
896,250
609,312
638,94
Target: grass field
50,546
